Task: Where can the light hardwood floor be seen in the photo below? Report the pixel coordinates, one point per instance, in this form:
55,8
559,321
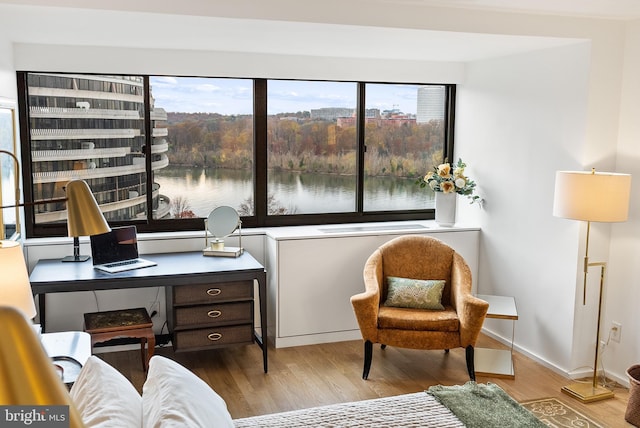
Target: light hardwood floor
314,375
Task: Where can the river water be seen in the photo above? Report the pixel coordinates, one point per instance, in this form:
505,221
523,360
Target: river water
204,189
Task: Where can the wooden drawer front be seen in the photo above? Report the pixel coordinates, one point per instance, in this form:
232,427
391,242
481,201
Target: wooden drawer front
211,337
209,293
214,314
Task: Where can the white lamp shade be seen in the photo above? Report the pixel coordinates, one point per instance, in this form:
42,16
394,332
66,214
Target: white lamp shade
592,196
15,288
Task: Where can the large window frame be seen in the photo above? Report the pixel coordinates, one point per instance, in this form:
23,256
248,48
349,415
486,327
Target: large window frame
260,217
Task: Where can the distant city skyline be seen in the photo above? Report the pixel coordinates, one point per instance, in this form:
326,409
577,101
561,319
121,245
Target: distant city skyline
234,96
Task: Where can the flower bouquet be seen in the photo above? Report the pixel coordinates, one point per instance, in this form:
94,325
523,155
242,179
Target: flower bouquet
448,178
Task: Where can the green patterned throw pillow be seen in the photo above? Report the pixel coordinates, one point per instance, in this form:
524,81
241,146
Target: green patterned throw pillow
414,293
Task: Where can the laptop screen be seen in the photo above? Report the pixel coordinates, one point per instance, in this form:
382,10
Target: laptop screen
115,246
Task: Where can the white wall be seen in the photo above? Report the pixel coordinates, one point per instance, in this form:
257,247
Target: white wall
7,80
520,119
623,287
512,137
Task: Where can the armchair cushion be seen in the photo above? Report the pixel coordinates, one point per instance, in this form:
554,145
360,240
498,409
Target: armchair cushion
414,293
411,319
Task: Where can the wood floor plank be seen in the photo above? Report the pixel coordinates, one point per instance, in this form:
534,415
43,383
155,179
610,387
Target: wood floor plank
314,375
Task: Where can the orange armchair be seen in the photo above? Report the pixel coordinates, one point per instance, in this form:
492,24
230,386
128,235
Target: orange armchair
423,258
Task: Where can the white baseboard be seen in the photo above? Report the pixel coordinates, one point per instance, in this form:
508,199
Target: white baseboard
314,339
574,374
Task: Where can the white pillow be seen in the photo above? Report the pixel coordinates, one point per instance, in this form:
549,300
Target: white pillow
105,398
172,396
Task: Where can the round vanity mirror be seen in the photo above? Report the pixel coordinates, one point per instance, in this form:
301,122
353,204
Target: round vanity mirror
222,222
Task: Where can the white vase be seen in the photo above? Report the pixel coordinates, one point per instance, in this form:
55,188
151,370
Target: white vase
446,208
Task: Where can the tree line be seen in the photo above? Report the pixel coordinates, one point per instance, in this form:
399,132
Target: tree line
297,143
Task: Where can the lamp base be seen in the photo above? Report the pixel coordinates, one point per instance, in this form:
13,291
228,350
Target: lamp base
586,393
76,258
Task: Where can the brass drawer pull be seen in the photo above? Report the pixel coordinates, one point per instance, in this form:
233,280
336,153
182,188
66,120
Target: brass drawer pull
214,291
214,314
214,336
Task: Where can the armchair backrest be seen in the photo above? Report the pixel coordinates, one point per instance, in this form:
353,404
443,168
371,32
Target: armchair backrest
417,257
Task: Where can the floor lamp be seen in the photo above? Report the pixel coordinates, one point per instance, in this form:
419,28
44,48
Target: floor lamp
84,217
15,289
600,197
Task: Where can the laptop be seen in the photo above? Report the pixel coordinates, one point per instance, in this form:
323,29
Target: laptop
117,251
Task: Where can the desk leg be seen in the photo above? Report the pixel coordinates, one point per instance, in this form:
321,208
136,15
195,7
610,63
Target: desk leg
42,307
263,338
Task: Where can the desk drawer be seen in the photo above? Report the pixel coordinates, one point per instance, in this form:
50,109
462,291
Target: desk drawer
214,314
213,337
208,293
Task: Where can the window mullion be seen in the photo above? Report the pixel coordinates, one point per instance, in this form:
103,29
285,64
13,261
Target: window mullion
362,148
148,138
260,150
449,119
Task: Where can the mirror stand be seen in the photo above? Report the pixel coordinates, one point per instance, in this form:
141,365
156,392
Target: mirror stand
220,223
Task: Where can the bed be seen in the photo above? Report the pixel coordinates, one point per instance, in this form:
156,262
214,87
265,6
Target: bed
173,396
413,410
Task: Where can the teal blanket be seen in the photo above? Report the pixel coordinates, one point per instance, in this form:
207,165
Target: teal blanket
484,406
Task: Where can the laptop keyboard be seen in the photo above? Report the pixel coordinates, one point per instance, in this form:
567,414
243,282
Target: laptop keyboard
122,263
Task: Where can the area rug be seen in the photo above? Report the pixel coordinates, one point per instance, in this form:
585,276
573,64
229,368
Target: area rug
555,413
484,405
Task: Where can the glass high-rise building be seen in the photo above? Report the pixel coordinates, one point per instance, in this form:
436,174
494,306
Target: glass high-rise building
431,103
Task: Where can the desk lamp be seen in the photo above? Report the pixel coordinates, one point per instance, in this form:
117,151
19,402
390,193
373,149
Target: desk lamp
84,216
600,197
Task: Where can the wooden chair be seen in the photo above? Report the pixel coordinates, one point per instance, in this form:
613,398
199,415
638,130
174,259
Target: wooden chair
422,258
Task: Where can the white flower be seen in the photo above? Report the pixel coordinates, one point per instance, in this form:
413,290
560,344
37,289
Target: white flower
450,178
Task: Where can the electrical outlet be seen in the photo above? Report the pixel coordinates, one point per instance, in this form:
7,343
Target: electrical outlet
616,330
154,307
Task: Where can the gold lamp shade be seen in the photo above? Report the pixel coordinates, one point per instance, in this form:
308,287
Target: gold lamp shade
84,217
15,288
27,373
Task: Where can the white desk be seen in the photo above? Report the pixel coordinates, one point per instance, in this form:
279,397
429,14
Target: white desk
68,349
497,362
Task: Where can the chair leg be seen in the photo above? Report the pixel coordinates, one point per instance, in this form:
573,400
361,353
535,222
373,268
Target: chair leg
368,354
446,351
143,342
470,363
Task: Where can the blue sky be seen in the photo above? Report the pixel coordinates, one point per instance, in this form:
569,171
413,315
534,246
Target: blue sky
234,96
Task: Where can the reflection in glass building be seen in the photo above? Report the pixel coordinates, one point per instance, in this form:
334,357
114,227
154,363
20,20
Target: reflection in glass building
91,127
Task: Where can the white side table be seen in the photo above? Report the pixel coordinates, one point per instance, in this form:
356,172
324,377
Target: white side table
497,362
69,350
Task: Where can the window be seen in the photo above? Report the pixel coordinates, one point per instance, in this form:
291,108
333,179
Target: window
312,147
404,135
208,139
92,128
161,152
9,220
